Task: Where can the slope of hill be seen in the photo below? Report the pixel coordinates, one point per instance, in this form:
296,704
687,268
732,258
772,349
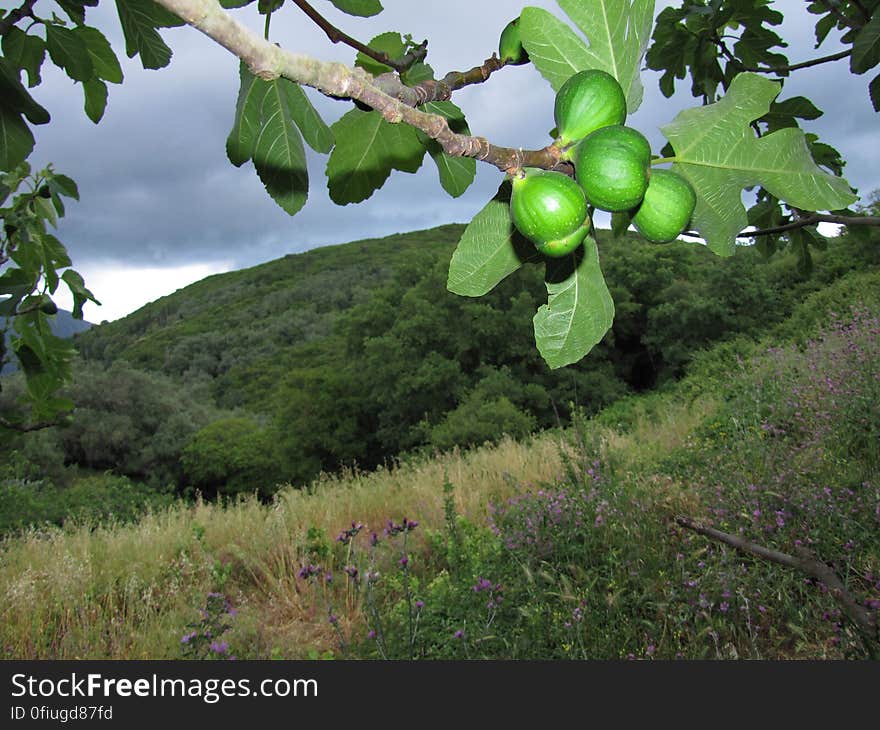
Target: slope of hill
356,353
561,546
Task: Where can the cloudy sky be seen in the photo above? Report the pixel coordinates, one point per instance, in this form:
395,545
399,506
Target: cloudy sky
162,207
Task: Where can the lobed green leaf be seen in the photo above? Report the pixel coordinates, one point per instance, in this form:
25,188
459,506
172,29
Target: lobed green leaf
866,47
456,173
367,149
104,61
617,33
139,20
362,8
718,153
278,155
26,52
490,249
579,311
69,51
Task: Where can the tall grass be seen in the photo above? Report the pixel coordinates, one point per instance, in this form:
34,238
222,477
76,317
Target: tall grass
129,590
563,546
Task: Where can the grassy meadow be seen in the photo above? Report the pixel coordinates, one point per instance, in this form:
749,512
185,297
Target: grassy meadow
562,545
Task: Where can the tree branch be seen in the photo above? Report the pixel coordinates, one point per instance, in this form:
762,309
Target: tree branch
797,66
26,427
440,90
813,219
25,11
337,36
806,562
269,61
726,52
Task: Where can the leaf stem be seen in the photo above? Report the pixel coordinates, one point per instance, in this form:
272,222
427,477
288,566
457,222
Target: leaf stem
663,161
337,36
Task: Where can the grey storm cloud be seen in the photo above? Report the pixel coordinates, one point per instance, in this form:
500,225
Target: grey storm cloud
157,188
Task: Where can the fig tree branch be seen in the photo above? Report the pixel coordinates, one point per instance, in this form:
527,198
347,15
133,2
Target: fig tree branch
26,427
268,61
813,219
864,619
26,10
439,90
725,51
337,36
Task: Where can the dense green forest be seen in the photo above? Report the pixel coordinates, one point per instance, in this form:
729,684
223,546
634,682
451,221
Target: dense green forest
355,355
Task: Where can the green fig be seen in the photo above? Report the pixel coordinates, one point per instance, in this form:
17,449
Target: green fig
510,47
667,207
586,102
546,206
611,165
563,246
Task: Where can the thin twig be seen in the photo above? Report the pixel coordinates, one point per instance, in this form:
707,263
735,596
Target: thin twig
25,11
806,562
813,219
797,66
26,427
337,36
726,52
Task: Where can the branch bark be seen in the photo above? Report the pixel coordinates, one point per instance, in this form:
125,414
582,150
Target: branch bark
813,219
440,90
864,619
269,61
26,10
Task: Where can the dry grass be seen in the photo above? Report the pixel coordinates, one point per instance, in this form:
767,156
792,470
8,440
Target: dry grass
128,591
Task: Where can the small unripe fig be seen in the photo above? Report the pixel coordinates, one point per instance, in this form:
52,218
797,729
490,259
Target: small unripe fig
546,206
49,307
667,207
611,165
564,246
510,47
586,102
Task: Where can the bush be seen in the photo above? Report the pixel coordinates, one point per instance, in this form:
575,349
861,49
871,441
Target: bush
232,456
89,500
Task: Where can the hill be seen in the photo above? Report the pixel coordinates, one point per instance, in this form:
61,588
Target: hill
357,355
567,545
357,352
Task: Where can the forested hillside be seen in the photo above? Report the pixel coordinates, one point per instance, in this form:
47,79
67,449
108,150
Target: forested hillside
357,354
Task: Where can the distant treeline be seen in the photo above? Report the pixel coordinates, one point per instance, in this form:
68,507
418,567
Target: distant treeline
356,354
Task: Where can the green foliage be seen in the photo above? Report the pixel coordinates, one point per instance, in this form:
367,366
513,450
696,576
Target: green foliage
384,304
579,310
231,456
269,117
368,149
134,423
101,498
719,155
617,35
35,263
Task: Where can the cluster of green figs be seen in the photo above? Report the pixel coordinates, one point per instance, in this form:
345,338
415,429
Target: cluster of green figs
612,164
